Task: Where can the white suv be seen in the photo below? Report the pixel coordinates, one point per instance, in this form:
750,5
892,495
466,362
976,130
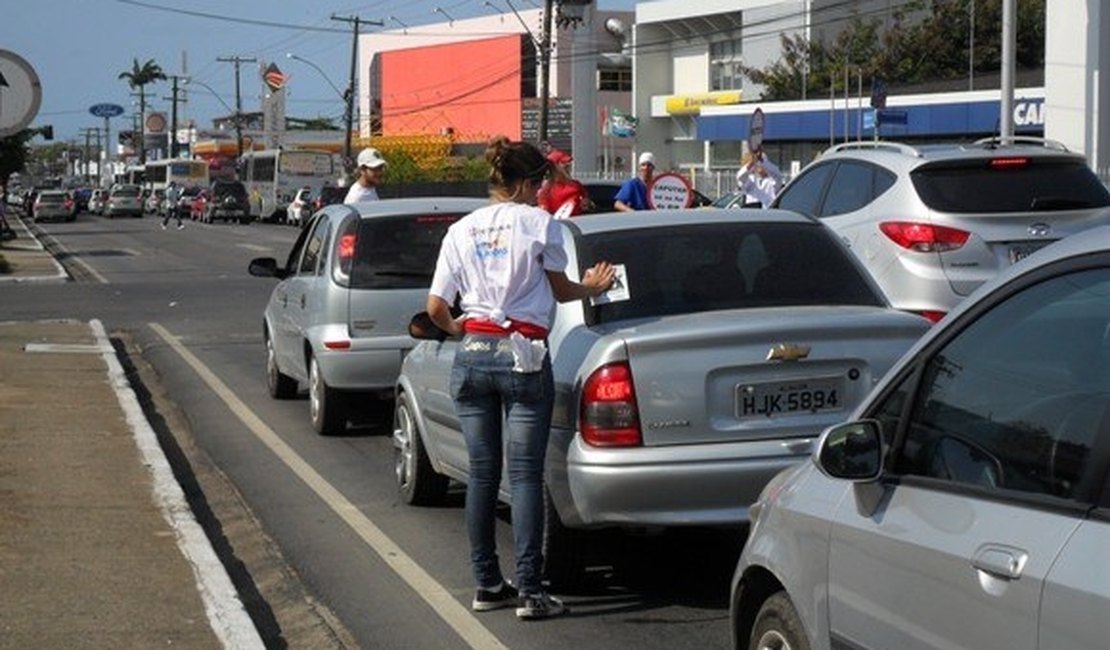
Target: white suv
932,223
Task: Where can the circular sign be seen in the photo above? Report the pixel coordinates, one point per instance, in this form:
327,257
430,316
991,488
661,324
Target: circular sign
755,131
20,93
670,191
106,110
155,122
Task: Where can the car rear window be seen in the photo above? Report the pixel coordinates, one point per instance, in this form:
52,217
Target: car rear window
233,189
398,252
1009,184
126,191
697,268
52,198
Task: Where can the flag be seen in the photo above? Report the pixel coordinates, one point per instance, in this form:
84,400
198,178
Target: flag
621,124
604,120
275,79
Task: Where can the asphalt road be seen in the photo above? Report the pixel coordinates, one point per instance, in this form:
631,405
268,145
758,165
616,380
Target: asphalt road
387,575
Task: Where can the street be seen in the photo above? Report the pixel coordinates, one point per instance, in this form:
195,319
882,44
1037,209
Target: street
305,518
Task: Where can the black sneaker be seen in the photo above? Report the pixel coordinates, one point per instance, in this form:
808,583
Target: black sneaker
537,606
486,600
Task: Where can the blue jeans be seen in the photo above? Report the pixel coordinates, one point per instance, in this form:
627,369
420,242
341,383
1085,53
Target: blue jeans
487,393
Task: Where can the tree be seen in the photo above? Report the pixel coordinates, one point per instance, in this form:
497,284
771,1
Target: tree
138,77
922,42
14,153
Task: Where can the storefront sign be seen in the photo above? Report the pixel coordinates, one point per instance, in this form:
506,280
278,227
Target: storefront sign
691,104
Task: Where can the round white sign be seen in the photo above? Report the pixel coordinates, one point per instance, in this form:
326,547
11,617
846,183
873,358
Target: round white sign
755,131
20,93
670,191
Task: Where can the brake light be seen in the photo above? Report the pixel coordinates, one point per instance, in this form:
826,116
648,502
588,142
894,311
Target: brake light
69,204
347,247
1009,163
337,345
609,415
932,316
924,237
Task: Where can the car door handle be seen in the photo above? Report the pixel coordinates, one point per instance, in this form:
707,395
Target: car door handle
1000,561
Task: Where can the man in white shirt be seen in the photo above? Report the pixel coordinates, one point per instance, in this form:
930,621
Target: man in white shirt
759,179
371,169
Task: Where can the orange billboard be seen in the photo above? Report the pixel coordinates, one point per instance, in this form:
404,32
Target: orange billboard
472,88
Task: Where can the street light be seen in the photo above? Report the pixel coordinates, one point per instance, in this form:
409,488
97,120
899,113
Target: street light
345,96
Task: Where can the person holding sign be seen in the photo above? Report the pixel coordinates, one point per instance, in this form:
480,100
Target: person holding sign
759,179
633,193
561,195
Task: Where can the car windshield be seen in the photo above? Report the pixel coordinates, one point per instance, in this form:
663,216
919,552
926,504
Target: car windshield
690,269
126,191
1011,184
399,252
229,189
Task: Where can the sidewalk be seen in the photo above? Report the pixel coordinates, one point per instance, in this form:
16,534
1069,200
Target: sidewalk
28,259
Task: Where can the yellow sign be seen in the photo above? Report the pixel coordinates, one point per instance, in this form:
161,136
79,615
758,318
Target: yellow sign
691,104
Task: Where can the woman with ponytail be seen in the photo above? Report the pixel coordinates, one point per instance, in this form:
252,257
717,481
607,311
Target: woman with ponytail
507,264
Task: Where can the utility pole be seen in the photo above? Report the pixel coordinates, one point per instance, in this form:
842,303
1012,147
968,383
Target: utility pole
87,133
1009,47
237,60
349,114
173,113
545,67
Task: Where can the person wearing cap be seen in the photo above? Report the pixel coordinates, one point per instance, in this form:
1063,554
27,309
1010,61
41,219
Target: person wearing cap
633,193
371,168
561,195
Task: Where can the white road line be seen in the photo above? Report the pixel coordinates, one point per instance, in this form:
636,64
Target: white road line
254,247
226,614
438,597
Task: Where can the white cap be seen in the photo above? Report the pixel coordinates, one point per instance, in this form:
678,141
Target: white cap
647,158
370,157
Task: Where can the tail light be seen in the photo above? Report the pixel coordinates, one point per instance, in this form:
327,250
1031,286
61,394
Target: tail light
69,204
924,237
932,316
609,415
1009,163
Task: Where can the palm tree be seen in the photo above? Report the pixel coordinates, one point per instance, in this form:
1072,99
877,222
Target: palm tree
138,77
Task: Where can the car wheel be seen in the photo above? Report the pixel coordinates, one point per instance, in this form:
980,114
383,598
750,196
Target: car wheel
281,385
778,626
418,482
564,550
326,405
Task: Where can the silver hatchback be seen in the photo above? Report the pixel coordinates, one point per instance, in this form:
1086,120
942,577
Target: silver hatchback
733,338
337,321
966,504
932,223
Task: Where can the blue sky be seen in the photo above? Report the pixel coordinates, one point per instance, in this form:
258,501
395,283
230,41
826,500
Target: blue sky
79,47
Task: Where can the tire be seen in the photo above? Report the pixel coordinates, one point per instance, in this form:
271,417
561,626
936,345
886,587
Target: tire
778,626
280,385
564,550
417,481
326,406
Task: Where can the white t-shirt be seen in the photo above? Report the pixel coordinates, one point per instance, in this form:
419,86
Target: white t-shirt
496,258
761,189
358,193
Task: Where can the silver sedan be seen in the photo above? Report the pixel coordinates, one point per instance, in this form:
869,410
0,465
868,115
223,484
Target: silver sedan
733,338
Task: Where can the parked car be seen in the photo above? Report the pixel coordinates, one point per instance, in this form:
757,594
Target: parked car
97,200
730,200
153,201
733,340
337,320
329,195
185,200
56,205
965,504
228,201
300,208
81,197
123,200
933,223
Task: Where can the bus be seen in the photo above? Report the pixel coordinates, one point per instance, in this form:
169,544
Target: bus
188,173
131,175
273,176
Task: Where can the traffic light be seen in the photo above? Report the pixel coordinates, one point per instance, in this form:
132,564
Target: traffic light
48,132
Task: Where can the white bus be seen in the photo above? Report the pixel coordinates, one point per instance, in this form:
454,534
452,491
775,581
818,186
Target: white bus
273,176
187,173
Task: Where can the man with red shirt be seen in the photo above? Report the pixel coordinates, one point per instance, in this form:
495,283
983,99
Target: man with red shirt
561,195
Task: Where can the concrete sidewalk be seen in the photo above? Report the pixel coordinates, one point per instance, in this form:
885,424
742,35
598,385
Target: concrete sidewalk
98,548
28,260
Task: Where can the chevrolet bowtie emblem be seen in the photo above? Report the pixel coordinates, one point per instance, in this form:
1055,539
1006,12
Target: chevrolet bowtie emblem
788,352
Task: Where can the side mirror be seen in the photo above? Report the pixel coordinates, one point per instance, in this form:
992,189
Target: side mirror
851,451
265,267
421,327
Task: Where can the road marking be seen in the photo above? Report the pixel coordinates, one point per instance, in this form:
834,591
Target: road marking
63,348
226,614
254,247
436,595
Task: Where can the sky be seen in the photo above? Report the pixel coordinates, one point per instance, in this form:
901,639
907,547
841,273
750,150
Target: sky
79,47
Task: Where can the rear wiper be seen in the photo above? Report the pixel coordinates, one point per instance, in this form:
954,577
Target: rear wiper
1057,203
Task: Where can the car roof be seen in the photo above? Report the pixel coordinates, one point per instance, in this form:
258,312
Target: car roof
615,221
427,204
898,155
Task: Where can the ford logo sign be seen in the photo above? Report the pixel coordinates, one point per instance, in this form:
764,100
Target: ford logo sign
1040,229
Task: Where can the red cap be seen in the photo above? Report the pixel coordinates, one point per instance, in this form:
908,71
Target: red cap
558,157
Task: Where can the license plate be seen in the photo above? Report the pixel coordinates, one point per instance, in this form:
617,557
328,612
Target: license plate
1022,251
769,399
